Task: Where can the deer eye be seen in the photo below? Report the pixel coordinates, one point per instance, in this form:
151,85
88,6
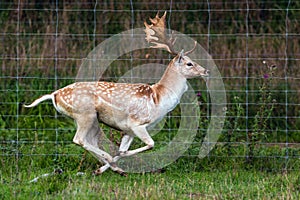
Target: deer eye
189,64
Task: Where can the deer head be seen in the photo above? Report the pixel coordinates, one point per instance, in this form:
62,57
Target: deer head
188,68
156,35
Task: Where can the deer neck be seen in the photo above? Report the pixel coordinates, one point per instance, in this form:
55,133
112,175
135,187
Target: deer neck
171,87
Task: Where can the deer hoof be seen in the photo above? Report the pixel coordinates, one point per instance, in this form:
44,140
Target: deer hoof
122,153
122,173
97,172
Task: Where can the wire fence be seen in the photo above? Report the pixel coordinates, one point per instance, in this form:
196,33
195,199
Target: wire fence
255,46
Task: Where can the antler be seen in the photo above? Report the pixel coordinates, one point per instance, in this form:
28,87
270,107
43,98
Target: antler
156,34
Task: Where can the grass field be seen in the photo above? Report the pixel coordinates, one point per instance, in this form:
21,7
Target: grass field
171,184
219,176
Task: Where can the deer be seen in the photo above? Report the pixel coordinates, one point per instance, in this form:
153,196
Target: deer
126,107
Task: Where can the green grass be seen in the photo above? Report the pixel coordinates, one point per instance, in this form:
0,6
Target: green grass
222,175
168,185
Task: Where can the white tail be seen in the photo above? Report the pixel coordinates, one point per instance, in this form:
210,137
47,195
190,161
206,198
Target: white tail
39,100
130,108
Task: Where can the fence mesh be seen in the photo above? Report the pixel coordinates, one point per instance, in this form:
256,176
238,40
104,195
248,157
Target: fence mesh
255,45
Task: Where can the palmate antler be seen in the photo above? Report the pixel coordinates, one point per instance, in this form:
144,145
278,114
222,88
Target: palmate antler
156,34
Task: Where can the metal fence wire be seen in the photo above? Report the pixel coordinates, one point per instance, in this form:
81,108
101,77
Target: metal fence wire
254,44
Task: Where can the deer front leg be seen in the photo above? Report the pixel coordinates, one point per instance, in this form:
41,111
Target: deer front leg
142,133
125,143
87,136
124,146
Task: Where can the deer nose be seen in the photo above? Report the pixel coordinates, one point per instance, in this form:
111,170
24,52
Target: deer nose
207,72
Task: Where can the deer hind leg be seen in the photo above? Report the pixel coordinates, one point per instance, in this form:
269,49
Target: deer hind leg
87,136
124,146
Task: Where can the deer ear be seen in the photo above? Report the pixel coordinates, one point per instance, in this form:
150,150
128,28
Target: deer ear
180,56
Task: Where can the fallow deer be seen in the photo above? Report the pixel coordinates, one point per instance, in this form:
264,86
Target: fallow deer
130,108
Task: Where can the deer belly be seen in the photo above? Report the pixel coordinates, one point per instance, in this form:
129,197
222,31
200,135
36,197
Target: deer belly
113,118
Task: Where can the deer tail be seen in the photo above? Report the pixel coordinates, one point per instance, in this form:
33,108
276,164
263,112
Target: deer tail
39,100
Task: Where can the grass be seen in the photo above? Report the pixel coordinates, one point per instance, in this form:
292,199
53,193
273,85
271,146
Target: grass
222,175
168,185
